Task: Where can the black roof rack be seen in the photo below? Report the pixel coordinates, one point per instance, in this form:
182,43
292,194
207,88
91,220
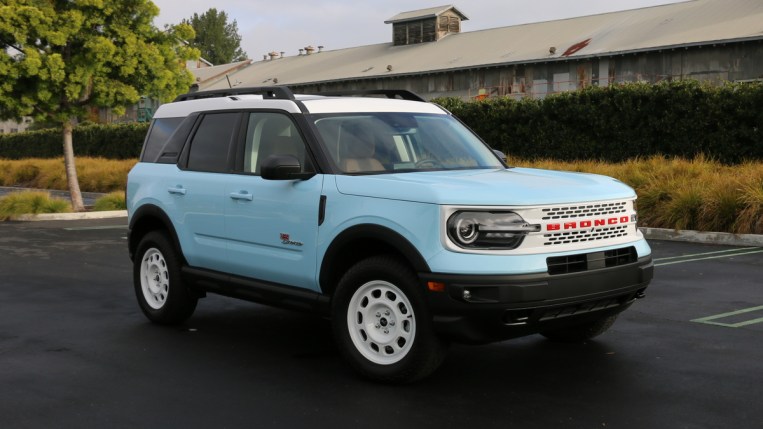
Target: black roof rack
389,93
272,92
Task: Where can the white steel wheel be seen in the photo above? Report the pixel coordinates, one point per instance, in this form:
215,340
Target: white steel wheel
158,283
154,278
381,322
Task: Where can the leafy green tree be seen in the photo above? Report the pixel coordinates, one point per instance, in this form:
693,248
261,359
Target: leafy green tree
61,58
218,40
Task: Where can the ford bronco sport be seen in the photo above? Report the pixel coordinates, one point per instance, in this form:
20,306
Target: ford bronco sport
387,215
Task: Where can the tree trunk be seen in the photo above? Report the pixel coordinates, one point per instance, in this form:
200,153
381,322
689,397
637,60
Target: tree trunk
71,169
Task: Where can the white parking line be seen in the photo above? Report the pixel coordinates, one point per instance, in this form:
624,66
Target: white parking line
87,228
706,253
691,258
710,320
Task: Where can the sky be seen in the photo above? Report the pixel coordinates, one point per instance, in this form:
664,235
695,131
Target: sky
290,25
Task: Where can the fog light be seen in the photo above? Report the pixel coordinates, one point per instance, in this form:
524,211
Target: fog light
467,294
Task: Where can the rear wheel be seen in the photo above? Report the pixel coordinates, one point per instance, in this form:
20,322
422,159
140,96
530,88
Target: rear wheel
579,333
381,323
156,277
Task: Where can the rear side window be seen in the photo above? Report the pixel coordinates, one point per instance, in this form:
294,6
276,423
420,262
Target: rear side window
211,143
158,135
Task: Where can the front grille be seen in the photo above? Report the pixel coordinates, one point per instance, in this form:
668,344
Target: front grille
588,210
585,235
567,264
591,261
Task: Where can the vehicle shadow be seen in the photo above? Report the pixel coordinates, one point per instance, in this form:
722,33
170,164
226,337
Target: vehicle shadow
268,354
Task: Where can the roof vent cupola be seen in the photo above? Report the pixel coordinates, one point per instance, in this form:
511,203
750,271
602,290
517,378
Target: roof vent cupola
425,25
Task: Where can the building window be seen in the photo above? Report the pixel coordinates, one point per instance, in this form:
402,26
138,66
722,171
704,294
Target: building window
415,32
444,20
454,25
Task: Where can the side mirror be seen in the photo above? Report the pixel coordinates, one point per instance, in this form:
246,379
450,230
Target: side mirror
283,167
499,154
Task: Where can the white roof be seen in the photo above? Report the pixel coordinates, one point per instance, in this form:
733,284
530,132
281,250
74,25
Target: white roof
370,104
314,104
185,108
691,23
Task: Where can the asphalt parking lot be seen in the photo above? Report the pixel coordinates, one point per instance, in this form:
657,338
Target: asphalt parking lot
75,352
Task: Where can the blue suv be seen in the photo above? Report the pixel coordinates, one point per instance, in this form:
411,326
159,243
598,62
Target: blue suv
384,213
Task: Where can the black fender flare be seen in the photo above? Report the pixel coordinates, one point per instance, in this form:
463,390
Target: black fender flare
332,259
150,217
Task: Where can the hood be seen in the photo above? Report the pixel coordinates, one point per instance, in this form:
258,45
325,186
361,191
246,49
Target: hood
509,187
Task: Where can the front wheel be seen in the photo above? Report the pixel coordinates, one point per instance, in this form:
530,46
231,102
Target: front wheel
381,323
158,286
580,333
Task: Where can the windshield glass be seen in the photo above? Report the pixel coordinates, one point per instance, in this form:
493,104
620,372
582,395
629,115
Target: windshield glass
396,142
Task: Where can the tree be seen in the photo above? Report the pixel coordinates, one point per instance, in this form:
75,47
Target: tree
60,59
218,41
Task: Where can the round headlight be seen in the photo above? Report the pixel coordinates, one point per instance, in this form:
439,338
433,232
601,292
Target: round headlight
467,230
488,230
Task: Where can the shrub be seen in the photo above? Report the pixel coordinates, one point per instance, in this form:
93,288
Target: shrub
114,141
112,201
19,203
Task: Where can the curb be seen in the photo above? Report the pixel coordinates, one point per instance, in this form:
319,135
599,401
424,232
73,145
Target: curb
72,216
755,240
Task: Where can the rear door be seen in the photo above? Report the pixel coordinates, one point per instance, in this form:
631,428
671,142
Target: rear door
197,190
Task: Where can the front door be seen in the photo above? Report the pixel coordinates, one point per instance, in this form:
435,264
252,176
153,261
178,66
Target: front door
272,225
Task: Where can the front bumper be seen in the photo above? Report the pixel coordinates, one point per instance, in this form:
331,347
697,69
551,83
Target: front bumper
480,309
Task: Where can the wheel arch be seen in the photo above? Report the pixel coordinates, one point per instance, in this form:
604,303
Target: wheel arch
360,242
146,219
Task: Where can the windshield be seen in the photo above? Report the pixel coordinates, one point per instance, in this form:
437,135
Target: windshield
396,142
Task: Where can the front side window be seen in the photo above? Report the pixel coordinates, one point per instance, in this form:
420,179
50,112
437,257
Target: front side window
269,134
368,143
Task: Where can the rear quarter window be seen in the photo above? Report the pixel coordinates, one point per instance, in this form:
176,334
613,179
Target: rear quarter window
157,138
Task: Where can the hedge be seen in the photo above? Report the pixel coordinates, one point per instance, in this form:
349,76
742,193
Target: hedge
615,123
620,122
113,141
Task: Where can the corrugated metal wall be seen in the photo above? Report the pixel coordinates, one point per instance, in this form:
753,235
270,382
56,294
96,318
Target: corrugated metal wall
715,64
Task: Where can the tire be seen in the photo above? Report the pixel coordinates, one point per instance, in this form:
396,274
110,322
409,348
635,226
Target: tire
381,324
580,333
156,277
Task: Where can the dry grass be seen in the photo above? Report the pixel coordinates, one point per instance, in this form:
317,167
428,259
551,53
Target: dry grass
677,193
673,193
95,174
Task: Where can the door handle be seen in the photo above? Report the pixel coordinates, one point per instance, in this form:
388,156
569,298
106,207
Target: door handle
178,190
242,195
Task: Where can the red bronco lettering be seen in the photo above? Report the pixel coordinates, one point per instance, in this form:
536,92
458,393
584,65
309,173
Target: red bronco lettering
587,223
